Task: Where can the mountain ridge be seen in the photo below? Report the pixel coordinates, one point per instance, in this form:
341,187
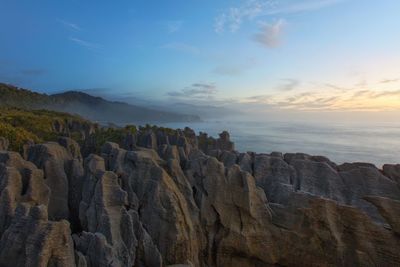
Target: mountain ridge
91,107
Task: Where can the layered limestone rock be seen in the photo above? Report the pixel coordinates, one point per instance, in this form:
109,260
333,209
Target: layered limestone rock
389,209
171,198
162,207
63,171
393,172
234,214
32,240
107,215
20,182
108,224
326,233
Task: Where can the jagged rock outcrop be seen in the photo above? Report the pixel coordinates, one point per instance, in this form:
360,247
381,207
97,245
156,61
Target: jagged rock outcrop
107,215
32,240
63,171
325,233
234,214
389,209
393,172
20,182
206,143
273,175
109,225
161,205
171,198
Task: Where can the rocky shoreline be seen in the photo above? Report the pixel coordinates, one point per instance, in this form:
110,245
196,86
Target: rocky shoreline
174,198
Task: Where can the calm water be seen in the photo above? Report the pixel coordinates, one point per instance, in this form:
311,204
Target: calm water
378,144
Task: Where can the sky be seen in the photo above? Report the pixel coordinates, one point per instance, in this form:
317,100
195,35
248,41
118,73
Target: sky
315,56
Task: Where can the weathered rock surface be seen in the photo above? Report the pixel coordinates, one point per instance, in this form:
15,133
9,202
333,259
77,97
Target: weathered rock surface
162,206
108,223
171,198
234,215
107,215
328,234
393,172
4,143
63,171
20,182
32,240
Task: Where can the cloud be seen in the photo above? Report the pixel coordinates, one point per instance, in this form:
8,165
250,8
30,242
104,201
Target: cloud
233,17
302,6
264,99
70,25
336,87
270,35
388,94
182,47
196,90
235,67
361,93
174,26
390,81
89,45
370,94
33,72
228,70
289,84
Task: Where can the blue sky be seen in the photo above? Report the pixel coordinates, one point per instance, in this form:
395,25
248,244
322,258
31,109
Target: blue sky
280,54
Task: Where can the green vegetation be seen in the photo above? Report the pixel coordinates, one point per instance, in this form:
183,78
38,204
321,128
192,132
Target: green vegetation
155,128
18,136
12,96
20,126
115,135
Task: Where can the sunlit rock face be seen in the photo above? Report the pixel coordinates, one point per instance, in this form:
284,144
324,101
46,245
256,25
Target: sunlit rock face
171,198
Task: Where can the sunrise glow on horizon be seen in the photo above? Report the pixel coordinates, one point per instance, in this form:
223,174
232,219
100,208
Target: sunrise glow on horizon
308,55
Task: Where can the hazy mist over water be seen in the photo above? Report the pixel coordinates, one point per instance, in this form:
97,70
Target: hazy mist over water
377,143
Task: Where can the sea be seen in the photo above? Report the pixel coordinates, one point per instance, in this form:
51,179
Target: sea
377,143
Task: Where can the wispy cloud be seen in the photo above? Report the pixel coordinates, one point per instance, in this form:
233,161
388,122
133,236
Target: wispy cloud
258,99
302,99
302,6
233,17
270,35
315,96
227,70
361,93
395,93
76,28
234,67
182,47
196,90
70,25
174,26
88,45
289,85
337,87
370,94
390,81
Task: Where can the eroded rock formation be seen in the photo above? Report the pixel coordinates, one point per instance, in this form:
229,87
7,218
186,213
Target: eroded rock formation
171,198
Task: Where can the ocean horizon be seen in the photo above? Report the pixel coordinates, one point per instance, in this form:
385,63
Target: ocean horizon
376,143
